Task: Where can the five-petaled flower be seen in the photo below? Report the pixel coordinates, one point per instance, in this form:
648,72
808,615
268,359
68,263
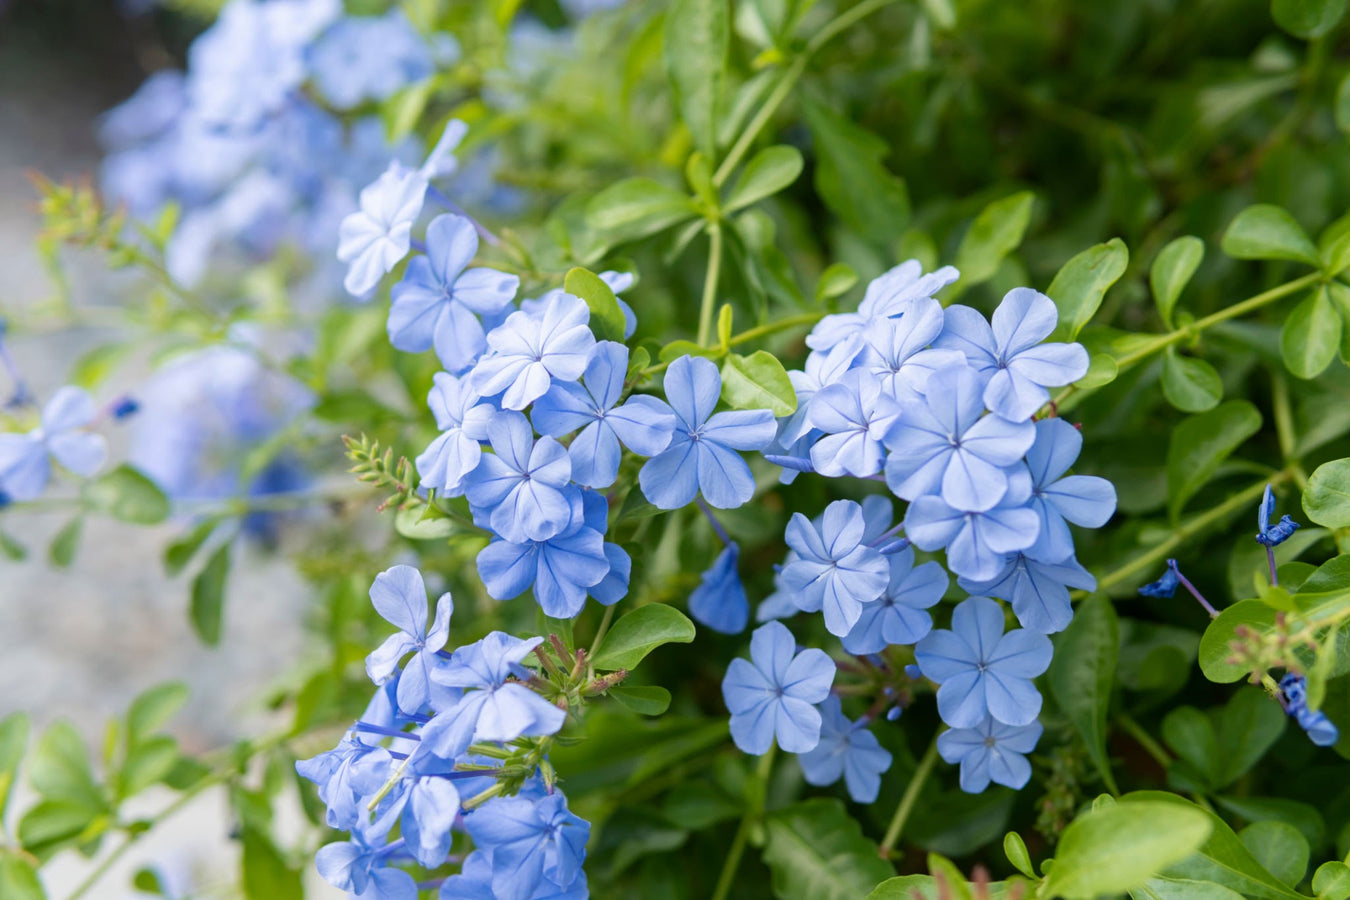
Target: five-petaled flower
775,696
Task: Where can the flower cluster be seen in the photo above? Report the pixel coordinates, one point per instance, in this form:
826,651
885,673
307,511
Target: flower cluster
453,743
250,143
940,405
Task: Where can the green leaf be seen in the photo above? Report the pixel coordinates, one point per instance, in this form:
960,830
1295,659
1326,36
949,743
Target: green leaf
1342,108
18,879
836,280
148,762
1016,850
1171,272
208,596
414,523
640,632
1201,443
128,496
758,381
152,710
179,553
58,768
52,823
1102,370
1332,881
697,35
13,742
1118,848
995,233
1333,246
1182,889
91,368
607,319
1249,726
1266,231
816,851
851,179
768,172
1307,18
1216,643
1311,335
1222,858
647,699
1080,285
1082,673
266,876
1191,736
1279,848
1326,500
1190,384
636,207
63,547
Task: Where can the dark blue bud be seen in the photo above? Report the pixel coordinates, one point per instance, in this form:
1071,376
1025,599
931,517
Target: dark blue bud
1278,533
125,408
796,463
913,671
1166,586
893,713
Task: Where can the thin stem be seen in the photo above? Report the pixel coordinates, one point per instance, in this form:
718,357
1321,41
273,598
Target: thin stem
907,802
1190,529
752,812
1143,739
1270,560
607,618
1186,583
751,334
705,310
716,525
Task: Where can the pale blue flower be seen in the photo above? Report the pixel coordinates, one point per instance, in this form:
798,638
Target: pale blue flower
524,485
834,570
532,842
363,58
853,415
701,456
643,424
526,352
847,749
1010,353
561,570
981,670
400,597
898,616
372,240
439,300
976,542
1081,499
775,696
943,443
462,418
25,466
1038,592
990,751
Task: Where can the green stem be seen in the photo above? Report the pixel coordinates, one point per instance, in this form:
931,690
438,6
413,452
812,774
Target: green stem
907,802
1143,739
753,811
600,632
1190,529
788,81
751,334
705,310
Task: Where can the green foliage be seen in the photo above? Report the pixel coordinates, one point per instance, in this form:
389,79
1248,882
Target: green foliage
1082,674
816,851
638,633
128,496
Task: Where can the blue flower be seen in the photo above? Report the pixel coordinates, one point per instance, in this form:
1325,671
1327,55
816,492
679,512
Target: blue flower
614,586
821,370
360,868
372,240
1081,499
895,353
462,418
894,293
532,842
976,542
1166,586
345,776
990,751
474,882
982,670
846,749
561,570
524,485
1038,592
898,616
719,601
24,465
527,352
776,695
643,424
1010,353
854,416
425,803
400,597
944,442
364,58
497,708
1321,731
1273,535
834,570
701,455
439,300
